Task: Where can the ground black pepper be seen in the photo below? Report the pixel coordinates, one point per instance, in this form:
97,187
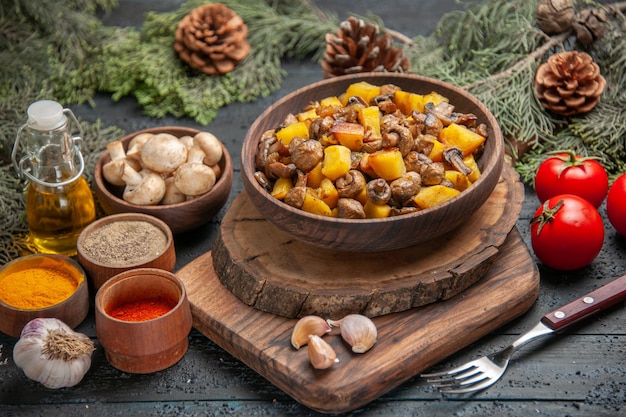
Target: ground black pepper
124,243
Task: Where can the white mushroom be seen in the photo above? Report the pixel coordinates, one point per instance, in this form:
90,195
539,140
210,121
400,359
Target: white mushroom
172,194
144,188
112,170
211,146
194,177
218,171
163,153
136,145
187,140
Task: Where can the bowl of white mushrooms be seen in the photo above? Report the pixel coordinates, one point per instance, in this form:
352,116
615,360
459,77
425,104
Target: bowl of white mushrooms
180,175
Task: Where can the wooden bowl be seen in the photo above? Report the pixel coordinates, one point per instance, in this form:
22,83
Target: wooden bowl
72,311
101,259
143,346
180,217
373,235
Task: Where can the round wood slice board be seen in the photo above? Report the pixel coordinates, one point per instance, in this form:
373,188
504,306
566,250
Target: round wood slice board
270,271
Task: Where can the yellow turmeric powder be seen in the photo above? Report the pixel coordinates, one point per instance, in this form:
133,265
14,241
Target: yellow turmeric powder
37,287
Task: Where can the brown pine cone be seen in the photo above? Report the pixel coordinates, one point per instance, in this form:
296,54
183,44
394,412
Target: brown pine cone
359,47
590,25
554,16
212,39
569,83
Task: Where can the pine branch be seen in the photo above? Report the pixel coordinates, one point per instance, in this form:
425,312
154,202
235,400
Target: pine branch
552,42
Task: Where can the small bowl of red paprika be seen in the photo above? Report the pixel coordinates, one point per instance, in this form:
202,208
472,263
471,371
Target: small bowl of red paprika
143,320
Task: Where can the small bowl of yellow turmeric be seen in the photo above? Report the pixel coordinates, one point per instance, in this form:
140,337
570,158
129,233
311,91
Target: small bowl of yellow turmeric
42,285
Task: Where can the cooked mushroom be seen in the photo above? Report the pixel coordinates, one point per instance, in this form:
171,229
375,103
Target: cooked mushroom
267,139
261,178
433,173
424,143
378,191
385,103
295,197
349,208
405,188
112,170
351,185
320,127
400,211
144,188
432,125
372,146
454,156
194,177
281,170
415,161
395,134
163,153
445,113
306,154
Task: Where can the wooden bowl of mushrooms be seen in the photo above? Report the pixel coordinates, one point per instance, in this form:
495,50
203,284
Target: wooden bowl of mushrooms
180,175
372,162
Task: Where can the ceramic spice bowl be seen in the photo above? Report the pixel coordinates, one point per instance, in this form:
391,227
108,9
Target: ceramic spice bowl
41,285
373,234
180,217
120,242
133,342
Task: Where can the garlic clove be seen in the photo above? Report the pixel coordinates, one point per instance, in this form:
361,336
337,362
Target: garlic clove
308,325
321,354
357,330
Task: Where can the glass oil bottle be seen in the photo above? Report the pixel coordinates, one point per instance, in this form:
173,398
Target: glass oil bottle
59,202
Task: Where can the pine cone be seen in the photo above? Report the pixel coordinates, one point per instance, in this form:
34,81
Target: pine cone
569,83
554,16
359,47
589,25
212,39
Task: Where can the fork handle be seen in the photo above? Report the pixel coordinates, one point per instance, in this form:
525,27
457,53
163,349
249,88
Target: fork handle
587,305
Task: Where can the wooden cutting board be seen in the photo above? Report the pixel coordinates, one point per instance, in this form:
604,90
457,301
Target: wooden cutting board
409,342
270,270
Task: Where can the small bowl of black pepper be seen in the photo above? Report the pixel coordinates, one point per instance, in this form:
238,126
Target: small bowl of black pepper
125,241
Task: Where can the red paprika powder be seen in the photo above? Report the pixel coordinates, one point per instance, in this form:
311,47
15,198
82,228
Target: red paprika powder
142,309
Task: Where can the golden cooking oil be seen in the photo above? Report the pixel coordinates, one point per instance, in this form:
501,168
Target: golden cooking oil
59,202
56,217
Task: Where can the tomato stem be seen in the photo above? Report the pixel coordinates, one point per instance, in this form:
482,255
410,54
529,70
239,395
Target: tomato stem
570,159
547,215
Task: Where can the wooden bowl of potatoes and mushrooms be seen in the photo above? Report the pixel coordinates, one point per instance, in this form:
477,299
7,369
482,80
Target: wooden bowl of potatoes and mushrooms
180,175
372,162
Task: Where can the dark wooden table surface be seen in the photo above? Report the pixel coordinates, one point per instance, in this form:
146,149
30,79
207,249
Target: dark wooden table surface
581,373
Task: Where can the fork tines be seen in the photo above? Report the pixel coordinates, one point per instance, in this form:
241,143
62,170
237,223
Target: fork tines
460,380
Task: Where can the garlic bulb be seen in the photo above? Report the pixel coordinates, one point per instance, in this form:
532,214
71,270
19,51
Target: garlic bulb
51,353
358,331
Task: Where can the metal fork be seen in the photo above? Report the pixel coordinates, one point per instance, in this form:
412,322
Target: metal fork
486,371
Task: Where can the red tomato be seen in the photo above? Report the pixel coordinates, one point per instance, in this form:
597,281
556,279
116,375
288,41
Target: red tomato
616,205
568,173
566,232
